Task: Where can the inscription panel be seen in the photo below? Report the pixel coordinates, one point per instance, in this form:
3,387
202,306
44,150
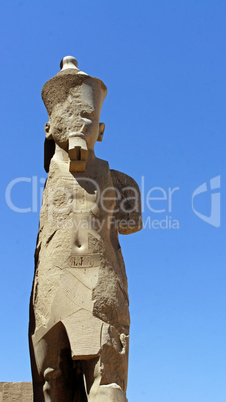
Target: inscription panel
84,261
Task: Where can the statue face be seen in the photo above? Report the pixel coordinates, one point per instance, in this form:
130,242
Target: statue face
79,113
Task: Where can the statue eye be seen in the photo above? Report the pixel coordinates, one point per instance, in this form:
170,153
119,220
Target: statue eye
87,115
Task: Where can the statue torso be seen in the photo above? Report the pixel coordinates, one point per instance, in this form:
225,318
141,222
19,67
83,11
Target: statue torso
78,252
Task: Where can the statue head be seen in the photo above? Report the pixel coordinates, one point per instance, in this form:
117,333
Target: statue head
73,101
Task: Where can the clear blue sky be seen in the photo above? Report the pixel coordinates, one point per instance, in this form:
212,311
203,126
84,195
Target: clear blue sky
164,65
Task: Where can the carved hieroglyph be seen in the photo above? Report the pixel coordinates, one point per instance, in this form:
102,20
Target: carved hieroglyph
79,317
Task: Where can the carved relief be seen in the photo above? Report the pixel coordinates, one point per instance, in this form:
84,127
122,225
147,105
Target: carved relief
84,261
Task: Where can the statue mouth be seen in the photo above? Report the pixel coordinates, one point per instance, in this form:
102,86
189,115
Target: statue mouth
77,151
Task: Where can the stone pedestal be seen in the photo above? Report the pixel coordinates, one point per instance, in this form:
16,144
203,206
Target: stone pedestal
16,391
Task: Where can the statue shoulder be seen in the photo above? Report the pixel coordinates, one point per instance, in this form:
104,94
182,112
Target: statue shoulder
121,180
128,207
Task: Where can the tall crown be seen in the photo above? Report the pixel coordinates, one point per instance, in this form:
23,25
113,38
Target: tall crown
56,90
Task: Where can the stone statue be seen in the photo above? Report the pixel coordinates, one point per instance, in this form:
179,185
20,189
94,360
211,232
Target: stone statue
79,317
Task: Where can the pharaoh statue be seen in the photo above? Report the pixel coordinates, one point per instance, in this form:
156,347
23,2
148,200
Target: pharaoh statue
79,316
